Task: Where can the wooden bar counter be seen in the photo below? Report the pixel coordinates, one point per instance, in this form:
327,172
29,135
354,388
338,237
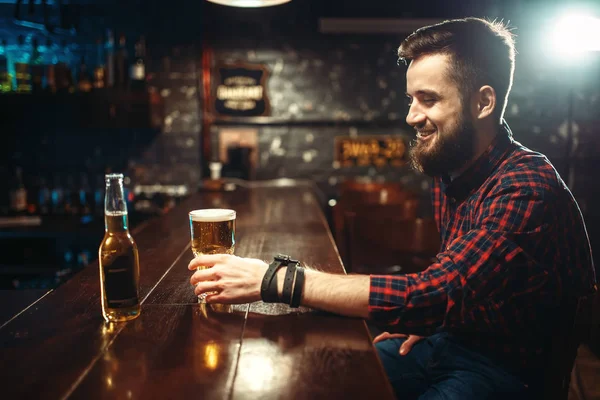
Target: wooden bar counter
59,347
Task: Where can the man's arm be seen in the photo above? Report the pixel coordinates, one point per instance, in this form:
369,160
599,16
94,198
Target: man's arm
238,280
476,278
340,294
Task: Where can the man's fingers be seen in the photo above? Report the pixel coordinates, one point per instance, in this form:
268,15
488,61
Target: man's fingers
380,337
217,298
408,344
207,260
202,275
207,287
387,335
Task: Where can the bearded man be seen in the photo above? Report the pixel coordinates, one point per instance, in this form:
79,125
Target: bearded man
514,245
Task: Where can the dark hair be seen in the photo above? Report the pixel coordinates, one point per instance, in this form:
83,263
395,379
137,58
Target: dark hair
483,53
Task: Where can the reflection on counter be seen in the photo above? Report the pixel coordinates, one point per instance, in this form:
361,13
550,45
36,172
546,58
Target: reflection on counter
115,383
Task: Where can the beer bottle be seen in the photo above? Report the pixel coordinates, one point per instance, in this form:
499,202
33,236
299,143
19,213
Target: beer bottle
118,257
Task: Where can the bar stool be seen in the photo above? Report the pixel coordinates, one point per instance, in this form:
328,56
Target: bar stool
382,242
354,195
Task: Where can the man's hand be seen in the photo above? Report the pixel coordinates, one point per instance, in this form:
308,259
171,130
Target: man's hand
235,280
406,346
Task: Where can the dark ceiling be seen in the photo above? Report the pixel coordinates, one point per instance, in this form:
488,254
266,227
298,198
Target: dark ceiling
184,21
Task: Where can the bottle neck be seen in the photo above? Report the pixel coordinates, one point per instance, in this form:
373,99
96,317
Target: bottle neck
115,207
116,222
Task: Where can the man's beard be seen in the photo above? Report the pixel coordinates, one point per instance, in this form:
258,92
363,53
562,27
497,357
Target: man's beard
450,151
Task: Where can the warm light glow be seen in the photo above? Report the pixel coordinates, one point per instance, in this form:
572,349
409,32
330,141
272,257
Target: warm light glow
265,368
259,371
211,356
249,3
575,34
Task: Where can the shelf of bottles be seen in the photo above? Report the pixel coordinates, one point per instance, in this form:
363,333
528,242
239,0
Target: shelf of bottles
51,223
35,65
57,202
50,226
74,81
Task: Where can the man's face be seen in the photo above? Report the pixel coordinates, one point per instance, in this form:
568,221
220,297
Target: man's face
445,132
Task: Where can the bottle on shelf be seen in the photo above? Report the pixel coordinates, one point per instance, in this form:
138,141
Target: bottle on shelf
71,197
137,72
5,76
121,64
57,197
33,186
85,195
84,84
44,197
100,69
37,67
18,4
63,72
118,258
110,59
50,59
22,57
18,194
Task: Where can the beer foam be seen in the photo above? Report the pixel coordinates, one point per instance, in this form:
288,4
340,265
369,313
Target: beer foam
212,215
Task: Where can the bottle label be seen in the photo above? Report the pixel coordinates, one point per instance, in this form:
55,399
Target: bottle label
119,282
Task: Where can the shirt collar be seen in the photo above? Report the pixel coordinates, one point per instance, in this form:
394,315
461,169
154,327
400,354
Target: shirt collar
481,169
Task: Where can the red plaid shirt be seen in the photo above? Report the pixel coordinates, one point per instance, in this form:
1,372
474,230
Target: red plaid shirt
513,244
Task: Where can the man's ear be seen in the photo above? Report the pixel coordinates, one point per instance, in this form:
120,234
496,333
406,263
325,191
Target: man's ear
485,102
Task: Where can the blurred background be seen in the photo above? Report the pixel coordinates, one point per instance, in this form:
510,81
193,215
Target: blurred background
189,95
168,91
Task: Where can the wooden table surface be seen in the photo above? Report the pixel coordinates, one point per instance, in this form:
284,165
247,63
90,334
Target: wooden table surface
60,347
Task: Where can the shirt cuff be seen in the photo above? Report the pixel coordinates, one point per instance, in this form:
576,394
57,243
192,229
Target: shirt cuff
387,297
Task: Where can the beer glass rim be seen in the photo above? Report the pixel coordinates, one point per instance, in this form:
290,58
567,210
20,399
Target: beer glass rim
212,215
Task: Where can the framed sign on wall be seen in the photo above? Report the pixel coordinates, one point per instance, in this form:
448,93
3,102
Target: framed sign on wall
240,90
370,150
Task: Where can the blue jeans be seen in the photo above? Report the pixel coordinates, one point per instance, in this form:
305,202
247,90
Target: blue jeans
437,368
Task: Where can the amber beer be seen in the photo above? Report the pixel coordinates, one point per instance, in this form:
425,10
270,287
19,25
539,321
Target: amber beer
118,258
213,232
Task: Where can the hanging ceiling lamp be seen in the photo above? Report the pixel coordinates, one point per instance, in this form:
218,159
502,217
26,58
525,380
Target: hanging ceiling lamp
249,3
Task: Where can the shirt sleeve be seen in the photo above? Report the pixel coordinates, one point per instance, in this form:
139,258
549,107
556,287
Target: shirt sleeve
485,280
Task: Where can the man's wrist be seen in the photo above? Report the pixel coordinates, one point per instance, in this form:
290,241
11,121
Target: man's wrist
280,281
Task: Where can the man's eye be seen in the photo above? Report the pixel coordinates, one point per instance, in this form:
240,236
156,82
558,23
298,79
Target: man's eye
429,101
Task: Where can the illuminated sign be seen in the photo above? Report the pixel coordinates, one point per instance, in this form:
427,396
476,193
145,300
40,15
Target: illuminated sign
372,150
241,91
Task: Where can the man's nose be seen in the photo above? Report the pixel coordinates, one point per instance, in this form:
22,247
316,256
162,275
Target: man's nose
415,117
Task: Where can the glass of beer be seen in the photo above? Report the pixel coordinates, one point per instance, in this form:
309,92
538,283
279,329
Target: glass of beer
213,232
